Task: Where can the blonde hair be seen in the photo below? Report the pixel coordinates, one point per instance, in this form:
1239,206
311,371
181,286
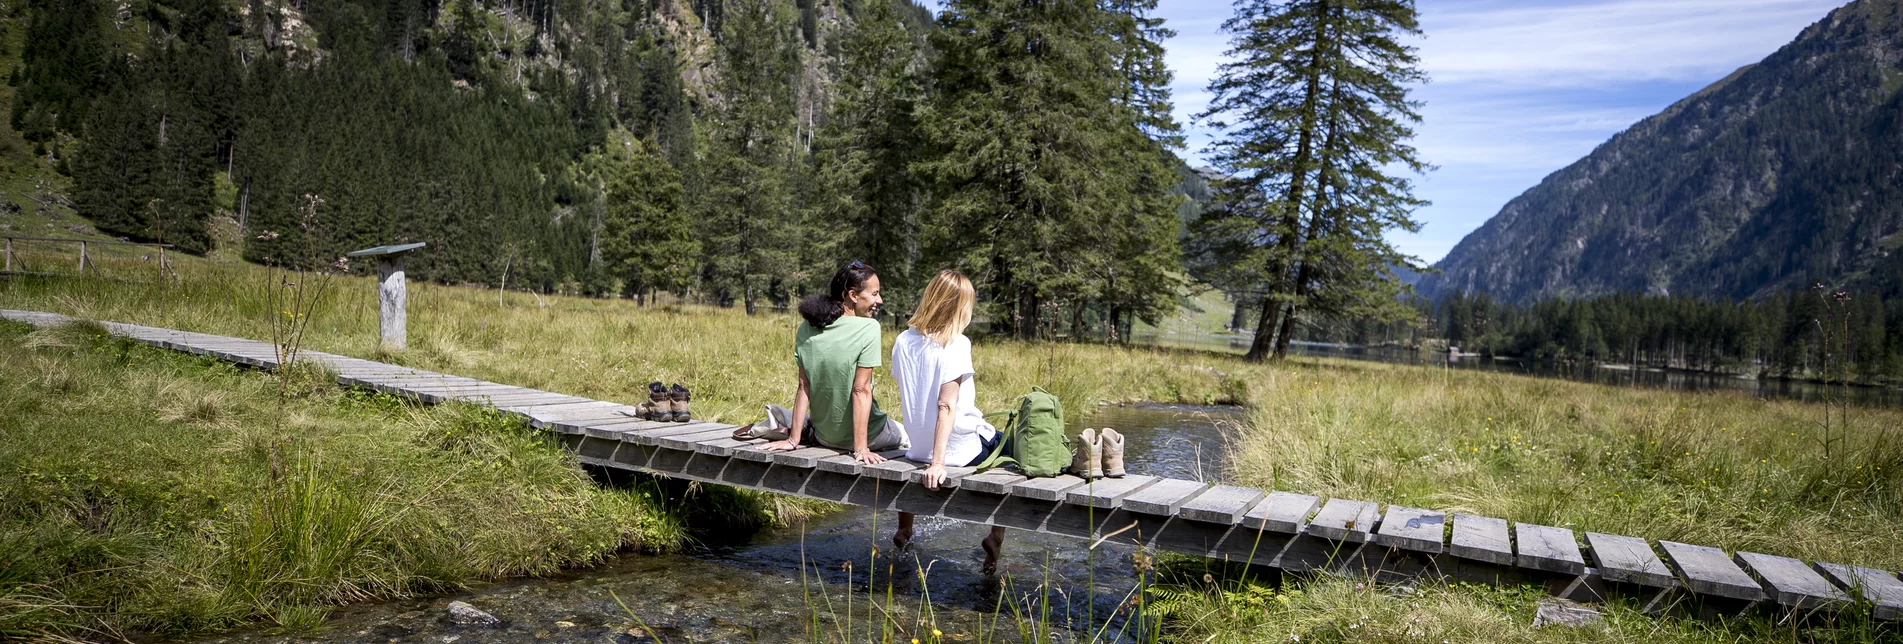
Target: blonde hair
945,309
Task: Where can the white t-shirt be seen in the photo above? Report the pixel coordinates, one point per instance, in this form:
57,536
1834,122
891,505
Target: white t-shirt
921,366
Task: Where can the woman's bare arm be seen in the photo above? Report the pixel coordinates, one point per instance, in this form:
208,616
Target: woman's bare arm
801,402
862,416
941,436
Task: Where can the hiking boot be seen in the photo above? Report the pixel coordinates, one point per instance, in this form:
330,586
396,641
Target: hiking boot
677,403
1112,452
1086,459
656,406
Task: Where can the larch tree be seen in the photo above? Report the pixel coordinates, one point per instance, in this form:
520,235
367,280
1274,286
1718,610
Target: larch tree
1315,115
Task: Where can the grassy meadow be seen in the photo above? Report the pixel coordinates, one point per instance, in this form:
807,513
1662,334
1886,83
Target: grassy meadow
1711,468
145,491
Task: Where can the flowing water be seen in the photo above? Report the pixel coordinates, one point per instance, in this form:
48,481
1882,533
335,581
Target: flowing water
758,590
1673,379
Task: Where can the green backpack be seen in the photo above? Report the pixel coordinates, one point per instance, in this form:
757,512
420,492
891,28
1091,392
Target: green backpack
1034,434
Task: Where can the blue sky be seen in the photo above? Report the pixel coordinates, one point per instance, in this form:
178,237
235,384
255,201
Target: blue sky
1520,88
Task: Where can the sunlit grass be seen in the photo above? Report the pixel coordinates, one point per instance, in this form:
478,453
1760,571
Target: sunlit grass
148,490
1719,469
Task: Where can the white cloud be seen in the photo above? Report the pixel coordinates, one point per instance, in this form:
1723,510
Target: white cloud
1591,43
1521,88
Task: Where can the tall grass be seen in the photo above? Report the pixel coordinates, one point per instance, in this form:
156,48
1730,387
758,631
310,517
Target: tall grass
144,491
1717,469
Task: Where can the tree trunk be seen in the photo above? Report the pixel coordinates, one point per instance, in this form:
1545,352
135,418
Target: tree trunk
1027,315
1263,344
1279,264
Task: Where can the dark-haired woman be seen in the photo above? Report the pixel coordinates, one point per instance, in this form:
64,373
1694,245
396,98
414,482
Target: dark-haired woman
837,348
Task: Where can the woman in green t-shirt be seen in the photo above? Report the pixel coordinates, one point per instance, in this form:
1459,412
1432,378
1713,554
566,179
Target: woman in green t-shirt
836,349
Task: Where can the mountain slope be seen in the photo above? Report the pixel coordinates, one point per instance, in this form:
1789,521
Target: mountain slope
1784,172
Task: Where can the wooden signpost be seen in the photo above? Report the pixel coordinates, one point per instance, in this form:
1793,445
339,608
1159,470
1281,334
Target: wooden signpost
391,296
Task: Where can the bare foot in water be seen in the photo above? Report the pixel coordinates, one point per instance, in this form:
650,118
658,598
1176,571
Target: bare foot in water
903,537
994,547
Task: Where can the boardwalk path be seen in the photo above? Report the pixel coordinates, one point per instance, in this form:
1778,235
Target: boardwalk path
1294,532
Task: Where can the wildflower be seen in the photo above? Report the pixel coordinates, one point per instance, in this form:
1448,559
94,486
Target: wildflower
267,236
937,633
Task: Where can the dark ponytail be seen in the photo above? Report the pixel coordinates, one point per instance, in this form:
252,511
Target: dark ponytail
822,310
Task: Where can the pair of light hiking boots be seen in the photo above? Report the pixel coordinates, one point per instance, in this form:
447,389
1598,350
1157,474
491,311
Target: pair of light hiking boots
665,404
1097,453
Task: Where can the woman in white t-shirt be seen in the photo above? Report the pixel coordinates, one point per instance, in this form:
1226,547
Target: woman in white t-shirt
932,363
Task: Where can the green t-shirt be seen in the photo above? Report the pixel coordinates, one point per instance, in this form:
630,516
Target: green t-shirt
831,356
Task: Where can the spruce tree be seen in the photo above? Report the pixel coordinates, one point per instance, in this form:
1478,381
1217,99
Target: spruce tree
752,232
865,152
1315,116
647,238
1035,160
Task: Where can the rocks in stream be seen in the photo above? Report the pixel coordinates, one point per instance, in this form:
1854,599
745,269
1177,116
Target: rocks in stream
463,613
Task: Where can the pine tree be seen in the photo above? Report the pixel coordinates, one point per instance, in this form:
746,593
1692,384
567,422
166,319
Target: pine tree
647,238
1315,115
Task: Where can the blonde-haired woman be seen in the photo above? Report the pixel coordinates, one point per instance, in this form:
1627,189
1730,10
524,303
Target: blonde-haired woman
932,363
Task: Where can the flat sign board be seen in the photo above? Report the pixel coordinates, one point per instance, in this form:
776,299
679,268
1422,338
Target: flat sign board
386,250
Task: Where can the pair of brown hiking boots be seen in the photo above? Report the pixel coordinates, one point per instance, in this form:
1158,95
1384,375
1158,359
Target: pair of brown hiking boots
666,404
1097,453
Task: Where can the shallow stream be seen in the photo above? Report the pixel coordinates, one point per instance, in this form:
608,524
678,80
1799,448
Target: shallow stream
772,586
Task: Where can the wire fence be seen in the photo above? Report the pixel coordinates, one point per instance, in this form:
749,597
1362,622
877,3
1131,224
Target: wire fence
67,257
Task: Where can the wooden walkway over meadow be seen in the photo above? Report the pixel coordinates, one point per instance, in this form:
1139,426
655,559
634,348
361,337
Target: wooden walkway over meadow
1284,530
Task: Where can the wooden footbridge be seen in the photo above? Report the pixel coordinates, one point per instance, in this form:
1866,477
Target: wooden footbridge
1288,531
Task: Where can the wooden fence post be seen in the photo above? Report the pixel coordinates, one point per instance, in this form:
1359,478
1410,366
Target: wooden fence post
9,254
82,258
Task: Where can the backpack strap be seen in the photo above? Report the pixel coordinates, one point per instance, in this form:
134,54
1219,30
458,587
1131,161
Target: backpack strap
1005,433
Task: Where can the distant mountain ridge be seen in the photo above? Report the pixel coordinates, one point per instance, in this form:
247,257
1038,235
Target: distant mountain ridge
1784,172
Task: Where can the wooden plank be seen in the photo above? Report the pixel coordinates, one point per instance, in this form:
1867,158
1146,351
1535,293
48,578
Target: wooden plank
1223,504
1791,582
691,442
1107,494
1481,539
1344,520
722,445
1547,548
996,481
1048,488
1412,529
840,464
616,429
1709,572
542,416
952,475
653,436
1164,497
1282,512
806,457
895,467
1883,591
554,405
1629,560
